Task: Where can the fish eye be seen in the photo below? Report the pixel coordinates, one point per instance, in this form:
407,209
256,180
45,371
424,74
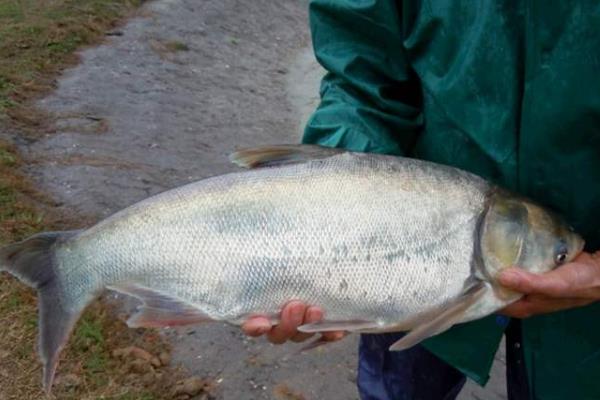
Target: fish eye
560,258
561,253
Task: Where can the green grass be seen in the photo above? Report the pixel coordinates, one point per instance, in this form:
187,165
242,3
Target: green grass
89,332
175,45
138,396
12,303
11,10
18,215
7,158
39,37
24,352
88,339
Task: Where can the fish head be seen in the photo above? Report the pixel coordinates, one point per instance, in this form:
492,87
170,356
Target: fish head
516,232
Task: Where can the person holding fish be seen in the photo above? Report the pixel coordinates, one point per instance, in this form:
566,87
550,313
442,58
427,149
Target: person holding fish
509,91
452,138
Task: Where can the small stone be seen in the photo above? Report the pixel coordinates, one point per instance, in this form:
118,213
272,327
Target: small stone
141,354
191,386
165,358
148,378
131,378
284,392
68,381
120,353
136,352
140,366
156,363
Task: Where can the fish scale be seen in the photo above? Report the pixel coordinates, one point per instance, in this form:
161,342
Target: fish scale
266,236
380,243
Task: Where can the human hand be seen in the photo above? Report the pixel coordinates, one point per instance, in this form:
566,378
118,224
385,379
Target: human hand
572,285
294,314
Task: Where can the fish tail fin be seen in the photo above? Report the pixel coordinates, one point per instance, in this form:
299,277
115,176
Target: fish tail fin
33,262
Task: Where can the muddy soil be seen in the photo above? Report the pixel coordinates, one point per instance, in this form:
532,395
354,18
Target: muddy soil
161,104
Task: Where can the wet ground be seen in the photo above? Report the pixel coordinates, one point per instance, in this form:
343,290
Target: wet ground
161,104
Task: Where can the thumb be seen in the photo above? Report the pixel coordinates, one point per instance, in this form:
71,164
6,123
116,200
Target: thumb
554,283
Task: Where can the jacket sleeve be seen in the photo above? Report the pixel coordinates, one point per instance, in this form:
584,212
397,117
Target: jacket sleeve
370,98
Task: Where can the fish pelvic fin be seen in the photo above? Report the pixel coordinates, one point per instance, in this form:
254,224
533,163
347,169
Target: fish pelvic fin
270,156
33,262
447,317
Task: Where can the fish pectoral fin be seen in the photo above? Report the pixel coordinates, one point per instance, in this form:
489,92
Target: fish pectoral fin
160,310
327,326
447,317
268,156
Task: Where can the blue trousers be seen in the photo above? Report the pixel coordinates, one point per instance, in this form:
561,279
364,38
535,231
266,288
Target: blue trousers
416,374
412,374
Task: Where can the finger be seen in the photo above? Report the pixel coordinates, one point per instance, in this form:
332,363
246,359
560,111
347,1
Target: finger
333,336
534,305
566,281
515,310
541,304
313,314
585,257
526,282
292,316
256,326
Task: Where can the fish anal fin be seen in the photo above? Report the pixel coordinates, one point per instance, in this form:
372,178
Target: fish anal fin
159,309
282,154
447,317
328,326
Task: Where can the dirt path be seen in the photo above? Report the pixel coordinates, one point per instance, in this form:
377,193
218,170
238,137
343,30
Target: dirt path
161,104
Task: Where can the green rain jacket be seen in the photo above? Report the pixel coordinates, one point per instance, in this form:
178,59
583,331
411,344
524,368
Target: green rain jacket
509,90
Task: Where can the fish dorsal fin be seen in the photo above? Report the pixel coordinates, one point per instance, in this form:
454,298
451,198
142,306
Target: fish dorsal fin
449,316
269,156
159,310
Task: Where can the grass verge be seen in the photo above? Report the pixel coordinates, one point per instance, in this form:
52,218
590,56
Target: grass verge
38,39
89,368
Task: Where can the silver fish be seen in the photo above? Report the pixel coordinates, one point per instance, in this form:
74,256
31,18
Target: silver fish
381,243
